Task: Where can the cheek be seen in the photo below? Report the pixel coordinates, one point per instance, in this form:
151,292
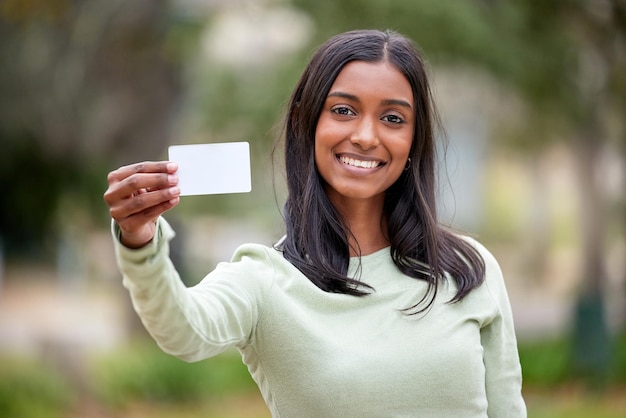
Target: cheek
402,154
324,141
401,147
323,133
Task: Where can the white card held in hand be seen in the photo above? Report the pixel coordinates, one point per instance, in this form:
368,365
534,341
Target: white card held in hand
212,168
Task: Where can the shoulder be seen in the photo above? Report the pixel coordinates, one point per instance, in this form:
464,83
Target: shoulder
494,282
488,258
256,254
258,261
250,273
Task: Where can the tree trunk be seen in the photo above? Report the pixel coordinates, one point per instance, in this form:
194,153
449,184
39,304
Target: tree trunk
591,354
623,206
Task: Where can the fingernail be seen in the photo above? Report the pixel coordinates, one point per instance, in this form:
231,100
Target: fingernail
174,191
172,179
171,166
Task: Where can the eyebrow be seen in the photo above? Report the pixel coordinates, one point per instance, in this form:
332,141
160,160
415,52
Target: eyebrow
386,102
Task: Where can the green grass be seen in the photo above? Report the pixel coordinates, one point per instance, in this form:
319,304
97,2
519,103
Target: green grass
575,402
29,390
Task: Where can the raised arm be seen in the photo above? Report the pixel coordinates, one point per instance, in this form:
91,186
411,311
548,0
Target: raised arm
191,323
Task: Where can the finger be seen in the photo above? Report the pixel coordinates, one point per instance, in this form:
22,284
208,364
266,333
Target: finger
141,203
143,167
138,184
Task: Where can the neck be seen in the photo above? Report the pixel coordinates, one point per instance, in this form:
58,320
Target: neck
366,223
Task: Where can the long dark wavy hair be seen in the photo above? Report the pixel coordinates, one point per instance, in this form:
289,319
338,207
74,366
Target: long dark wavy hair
317,237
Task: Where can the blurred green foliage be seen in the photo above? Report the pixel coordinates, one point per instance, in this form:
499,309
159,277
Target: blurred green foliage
85,87
142,372
88,86
28,389
558,55
29,208
39,179
545,363
550,363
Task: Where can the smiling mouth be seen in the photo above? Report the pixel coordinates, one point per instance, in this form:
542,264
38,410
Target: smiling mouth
359,163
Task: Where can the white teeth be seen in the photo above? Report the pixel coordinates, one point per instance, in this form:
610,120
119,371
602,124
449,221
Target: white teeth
359,163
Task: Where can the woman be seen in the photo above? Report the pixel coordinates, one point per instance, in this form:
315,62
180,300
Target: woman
367,307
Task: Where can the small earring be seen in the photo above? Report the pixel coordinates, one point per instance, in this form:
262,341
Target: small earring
408,164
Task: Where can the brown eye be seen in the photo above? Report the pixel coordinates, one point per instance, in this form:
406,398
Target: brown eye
343,111
393,119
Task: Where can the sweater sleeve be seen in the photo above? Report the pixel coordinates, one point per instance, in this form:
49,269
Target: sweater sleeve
501,358
201,321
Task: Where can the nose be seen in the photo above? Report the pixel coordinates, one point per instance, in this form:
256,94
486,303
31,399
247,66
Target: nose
365,135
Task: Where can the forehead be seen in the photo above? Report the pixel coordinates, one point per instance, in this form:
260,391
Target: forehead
378,79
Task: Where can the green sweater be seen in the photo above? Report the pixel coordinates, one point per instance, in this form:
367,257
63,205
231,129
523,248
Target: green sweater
319,354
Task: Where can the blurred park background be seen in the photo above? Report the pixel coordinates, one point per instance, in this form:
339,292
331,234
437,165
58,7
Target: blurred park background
532,94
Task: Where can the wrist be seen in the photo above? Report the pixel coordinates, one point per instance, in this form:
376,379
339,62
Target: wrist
134,243
138,239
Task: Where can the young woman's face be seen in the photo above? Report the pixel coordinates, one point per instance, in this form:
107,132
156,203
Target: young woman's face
365,131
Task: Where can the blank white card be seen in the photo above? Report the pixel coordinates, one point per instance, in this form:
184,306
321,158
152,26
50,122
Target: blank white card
212,168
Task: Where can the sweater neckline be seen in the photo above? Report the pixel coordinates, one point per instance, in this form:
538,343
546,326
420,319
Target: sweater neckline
383,252
378,257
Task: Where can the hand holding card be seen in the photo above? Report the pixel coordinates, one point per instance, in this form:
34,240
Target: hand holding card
212,168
